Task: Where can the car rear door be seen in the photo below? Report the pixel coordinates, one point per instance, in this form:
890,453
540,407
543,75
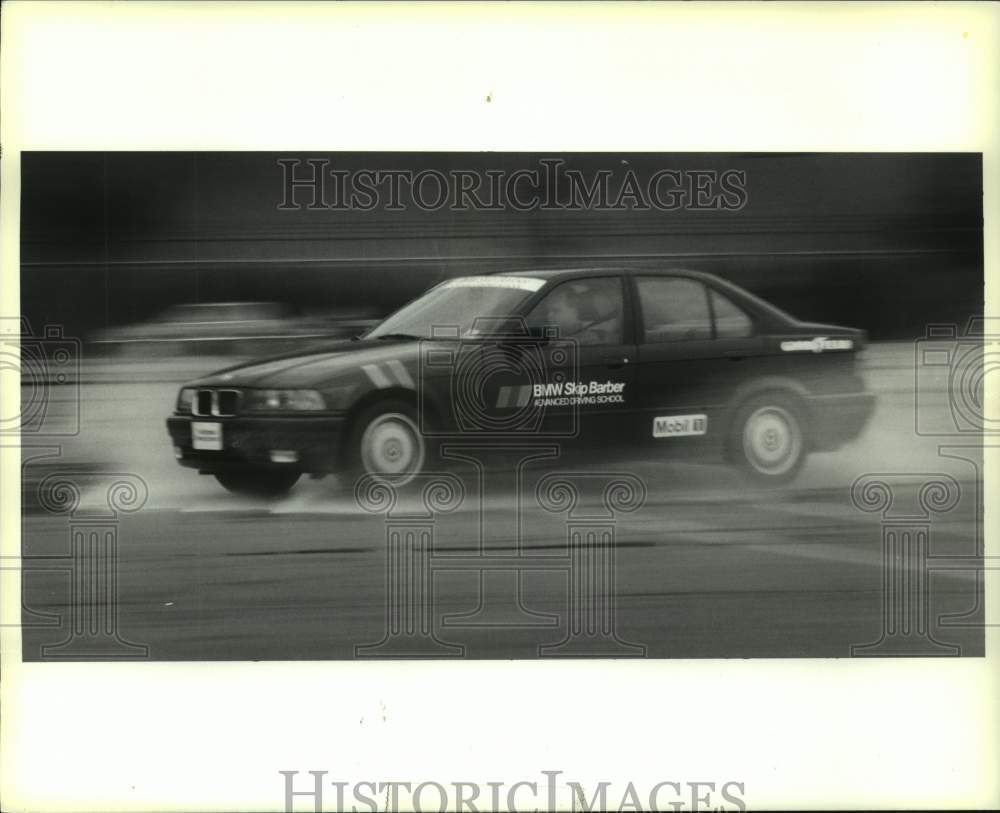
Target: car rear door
695,347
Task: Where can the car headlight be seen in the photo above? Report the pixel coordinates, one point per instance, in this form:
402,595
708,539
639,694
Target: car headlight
185,399
283,401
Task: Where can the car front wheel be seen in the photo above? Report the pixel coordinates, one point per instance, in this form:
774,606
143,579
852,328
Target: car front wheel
767,439
388,444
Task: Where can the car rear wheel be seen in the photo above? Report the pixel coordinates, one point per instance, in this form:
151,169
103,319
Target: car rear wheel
388,444
767,439
258,483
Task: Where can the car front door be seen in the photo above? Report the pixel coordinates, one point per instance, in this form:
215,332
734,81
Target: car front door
592,384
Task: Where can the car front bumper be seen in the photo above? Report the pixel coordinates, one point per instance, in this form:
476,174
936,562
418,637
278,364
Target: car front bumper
305,443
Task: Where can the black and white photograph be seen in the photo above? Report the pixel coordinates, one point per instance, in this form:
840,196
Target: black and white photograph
518,406
377,405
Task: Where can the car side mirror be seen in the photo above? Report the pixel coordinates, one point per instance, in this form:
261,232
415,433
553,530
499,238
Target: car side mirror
542,334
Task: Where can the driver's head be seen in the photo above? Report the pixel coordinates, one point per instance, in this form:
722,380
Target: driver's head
566,309
562,311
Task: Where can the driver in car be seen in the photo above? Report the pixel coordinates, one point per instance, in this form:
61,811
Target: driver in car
582,316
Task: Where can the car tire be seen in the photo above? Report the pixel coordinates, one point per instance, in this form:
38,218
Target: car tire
258,483
767,439
386,443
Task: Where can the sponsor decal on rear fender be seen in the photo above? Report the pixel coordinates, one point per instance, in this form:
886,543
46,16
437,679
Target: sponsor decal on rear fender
679,426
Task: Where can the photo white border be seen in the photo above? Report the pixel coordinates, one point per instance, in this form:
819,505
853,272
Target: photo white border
664,77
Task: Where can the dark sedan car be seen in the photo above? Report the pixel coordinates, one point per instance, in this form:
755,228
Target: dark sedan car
669,363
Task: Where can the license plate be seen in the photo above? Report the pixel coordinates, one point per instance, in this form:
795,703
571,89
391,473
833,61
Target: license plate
679,426
206,435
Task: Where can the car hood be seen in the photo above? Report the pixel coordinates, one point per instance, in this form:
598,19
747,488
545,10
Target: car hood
313,368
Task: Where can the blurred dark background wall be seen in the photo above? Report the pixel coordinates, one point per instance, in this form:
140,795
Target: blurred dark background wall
888,242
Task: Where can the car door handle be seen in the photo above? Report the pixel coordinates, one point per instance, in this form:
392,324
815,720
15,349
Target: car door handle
736,355
615,362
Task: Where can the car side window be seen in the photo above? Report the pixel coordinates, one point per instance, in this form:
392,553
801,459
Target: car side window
589,311
731,322
673,309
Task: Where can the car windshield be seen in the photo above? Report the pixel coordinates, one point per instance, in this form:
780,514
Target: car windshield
452,308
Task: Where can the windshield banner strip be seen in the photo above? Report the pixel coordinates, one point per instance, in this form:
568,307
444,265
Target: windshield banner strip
520,283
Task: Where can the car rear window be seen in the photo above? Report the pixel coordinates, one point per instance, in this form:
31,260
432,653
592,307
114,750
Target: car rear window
674,309
731,321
